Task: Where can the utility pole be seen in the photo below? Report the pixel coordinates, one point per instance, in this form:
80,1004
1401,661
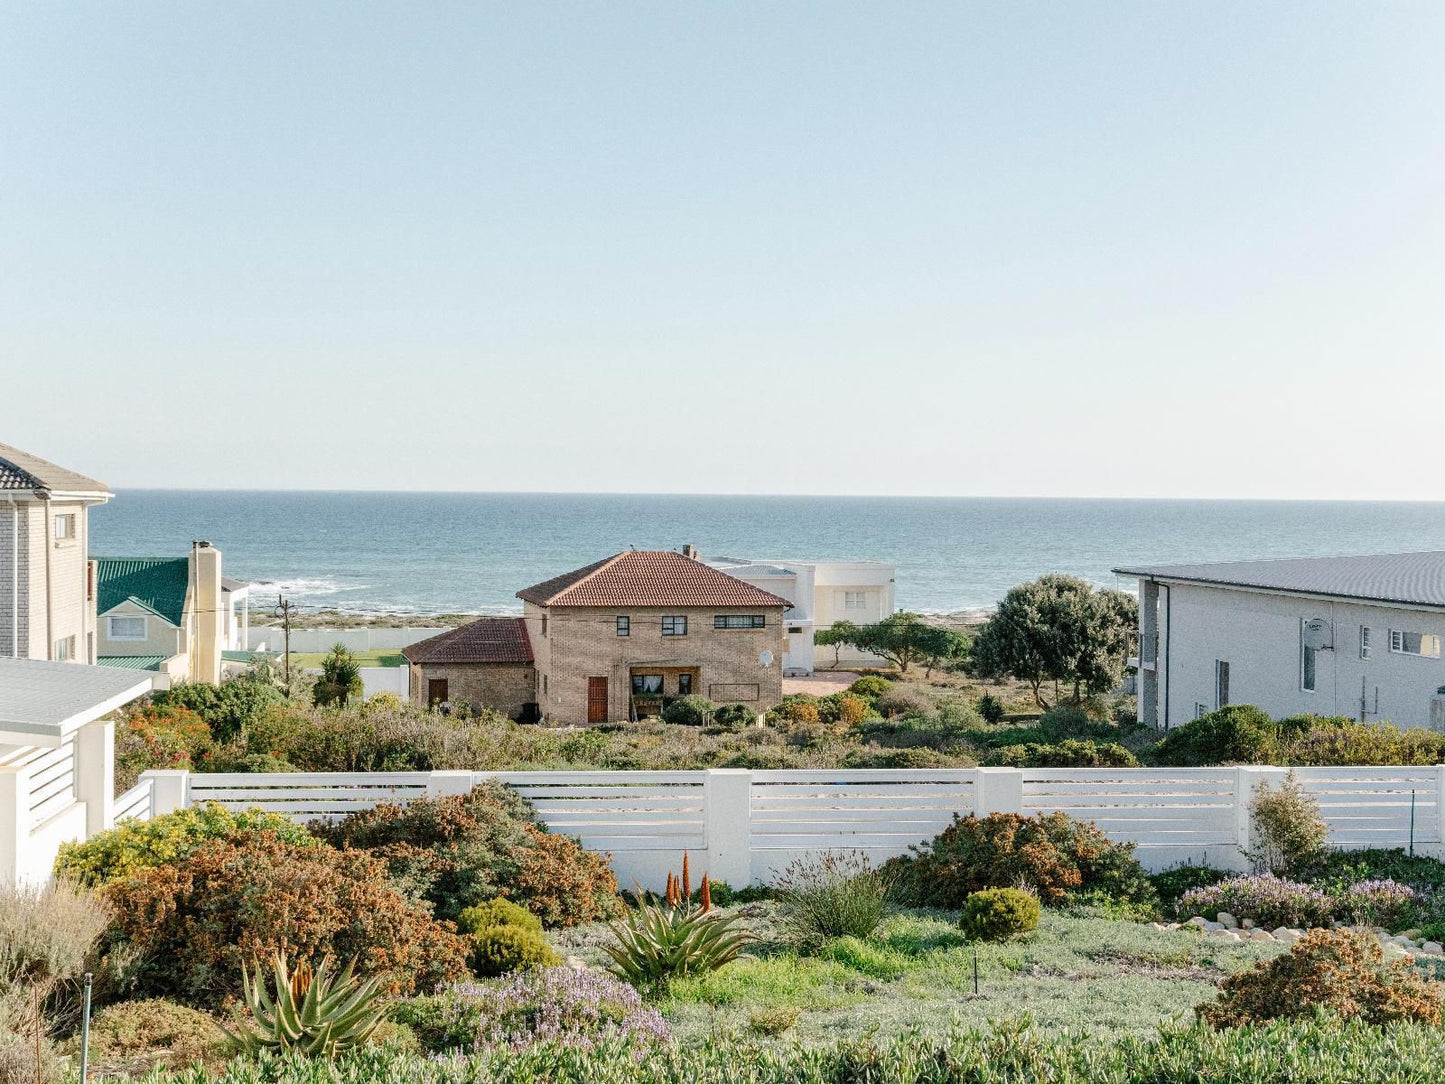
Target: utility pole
283,611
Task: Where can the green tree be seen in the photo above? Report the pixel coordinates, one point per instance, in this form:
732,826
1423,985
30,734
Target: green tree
340,678
837,636
1061,629
905,638
939,646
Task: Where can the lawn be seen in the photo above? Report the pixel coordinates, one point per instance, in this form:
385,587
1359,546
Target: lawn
1078,971
313,659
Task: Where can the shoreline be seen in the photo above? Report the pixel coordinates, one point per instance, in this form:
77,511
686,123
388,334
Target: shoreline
341,619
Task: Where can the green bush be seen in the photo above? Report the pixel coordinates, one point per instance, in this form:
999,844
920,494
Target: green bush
688,711
1071,721
130,1029
132,846
990,709
465,849
1345,742
228,708
497,912
830,894
1288,827
871,687
774,1021
499,950
1237,734
1069,753
997,914
902,702
733,716
1173,883
1056,856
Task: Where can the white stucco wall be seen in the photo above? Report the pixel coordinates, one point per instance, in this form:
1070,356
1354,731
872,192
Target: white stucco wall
1258,634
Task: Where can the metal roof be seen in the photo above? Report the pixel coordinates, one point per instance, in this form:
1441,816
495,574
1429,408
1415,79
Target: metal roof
1409,579
158,584
23,471
41,702
131,662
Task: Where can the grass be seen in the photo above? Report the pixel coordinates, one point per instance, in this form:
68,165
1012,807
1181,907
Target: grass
312,659
1079,971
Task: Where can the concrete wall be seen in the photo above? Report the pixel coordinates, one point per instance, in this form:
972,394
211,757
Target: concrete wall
1259,635
503,687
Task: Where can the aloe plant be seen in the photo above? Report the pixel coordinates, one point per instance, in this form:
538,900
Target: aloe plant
656,943
316,1014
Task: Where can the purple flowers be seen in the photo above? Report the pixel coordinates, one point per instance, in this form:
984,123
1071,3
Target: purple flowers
1377,903
1269,900
556,1004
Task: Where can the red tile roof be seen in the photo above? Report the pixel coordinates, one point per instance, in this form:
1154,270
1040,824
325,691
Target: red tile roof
648,578
488,639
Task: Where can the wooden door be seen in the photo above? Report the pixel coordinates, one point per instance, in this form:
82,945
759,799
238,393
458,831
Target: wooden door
597,700
436,691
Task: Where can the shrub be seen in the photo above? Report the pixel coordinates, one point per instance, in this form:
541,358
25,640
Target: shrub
1287,825
688,711
1344,868
1345,742
1068,753
1056,856
774,1021
1237,734
497,912
871,687
1269,900
799,708
227,709
161,736
500,950
989,708
231,901
1377,903
129,1029
851,709
830,894
1173,883
1340,971
902,702
997,914
465,849
132,846
1071,721
733,716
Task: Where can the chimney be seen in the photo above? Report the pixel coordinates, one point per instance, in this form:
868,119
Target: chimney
689,550
209,603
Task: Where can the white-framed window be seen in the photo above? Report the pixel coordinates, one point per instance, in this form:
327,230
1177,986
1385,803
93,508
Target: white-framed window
1200,710
1365,641
855,600
65,649
674,626
64,526
126,627
624,626
1424,644
1221,683
1307,668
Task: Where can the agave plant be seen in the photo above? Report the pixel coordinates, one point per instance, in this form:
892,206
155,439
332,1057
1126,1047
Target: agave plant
656,943
317,1013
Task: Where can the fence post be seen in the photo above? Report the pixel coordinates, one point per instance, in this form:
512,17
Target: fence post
14,822
448,783
1247,780
95,774
728,819
170,791
998,790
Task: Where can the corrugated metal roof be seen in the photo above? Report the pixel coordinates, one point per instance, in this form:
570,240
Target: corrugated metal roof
21,470
1415,579
158,584
488,639
648,578
131,662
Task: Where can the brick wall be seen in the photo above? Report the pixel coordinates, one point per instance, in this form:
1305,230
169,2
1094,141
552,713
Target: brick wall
503,687
583,642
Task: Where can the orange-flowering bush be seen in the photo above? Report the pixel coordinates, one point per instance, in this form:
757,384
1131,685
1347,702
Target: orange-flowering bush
1343,972
1053,854
463,850
851,709
232,901
158,736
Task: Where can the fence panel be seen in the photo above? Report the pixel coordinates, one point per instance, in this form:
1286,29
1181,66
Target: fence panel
877,811
135,803
618,811
1176,807
306,796
1377,807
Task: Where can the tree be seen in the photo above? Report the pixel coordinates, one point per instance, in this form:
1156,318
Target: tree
902,639
938,646
340,678
837,636
1058,628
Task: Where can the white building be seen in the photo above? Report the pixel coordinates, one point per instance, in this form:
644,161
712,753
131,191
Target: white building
1353,636
821,592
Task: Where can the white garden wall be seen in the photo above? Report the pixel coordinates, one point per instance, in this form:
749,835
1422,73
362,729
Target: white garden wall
742,826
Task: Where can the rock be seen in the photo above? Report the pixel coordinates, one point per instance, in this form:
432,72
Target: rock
1247,924
1260,935
1198,920
1213,927
1228,921
1433,948
1412,934
1224,935
1393,948
576,963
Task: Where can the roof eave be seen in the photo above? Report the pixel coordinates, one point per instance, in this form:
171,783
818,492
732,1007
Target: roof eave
1293,592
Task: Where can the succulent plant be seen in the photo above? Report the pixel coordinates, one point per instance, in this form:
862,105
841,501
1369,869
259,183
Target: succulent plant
314,1013
658,942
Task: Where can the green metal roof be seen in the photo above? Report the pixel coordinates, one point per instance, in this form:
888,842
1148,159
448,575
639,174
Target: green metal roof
131,662
157,584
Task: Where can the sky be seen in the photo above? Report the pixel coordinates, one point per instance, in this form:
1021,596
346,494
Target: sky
1072,249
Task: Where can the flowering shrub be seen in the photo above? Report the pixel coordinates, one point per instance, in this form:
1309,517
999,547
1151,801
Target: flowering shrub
1269,900
162,736
553,1004
1341,971
852,709
1378,903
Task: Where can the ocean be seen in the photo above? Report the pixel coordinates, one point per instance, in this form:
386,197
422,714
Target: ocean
420,553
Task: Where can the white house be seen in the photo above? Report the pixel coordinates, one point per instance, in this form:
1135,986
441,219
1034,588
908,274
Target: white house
821,592
1353,636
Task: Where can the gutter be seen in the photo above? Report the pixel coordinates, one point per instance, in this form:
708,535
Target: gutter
44,496
14,576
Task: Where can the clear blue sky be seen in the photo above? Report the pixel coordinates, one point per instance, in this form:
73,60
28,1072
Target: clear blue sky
1154,249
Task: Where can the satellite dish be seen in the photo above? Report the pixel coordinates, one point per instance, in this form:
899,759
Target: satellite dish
1316,634
765,657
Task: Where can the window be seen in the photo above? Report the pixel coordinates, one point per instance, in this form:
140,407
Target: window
544,624
646,684
855,600
126,628
624,626
64,526
674,626
684,684
436,691
794,629
1221,683
65,649
1200,710
1415,643
1307,669
1364,641
740,621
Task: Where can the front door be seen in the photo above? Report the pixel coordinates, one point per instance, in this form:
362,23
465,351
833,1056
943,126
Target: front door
436,691
597,700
